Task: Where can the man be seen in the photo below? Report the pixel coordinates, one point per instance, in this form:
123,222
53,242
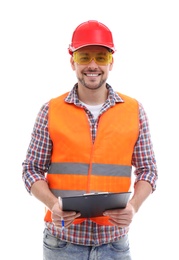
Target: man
87,140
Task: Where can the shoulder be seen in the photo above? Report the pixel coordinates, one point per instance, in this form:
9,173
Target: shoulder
129,101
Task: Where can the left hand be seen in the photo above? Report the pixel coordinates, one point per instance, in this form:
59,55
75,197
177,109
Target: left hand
121,217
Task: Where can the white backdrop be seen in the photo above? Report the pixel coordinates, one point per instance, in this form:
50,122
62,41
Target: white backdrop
34,67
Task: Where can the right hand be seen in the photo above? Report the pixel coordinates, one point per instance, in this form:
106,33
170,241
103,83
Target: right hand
58,214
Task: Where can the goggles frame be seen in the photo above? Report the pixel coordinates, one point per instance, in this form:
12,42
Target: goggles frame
101,58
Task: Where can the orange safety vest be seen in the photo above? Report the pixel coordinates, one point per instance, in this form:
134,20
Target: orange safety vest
80,166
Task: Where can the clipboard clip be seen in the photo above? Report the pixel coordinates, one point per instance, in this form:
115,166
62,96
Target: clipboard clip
95,193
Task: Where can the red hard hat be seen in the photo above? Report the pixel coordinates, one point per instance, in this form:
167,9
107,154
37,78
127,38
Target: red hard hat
91,33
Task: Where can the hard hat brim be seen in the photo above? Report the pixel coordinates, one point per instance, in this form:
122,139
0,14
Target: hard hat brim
72,49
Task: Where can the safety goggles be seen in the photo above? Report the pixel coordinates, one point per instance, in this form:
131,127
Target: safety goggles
85,57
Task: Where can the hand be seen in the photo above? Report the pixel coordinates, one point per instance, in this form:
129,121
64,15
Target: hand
121,217
58,214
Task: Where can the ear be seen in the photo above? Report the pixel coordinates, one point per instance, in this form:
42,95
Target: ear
72,63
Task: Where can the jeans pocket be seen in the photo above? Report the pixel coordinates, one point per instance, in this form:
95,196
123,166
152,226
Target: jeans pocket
121,245
52,242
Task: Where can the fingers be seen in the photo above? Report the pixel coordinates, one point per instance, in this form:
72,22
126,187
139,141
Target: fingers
120,217
65,220
62,223
62,218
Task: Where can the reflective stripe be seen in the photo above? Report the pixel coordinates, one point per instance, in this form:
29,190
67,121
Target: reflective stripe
69,168
97,169
111,170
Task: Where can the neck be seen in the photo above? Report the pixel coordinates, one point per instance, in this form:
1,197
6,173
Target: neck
92,96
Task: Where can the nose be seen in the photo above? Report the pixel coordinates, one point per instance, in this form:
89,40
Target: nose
92,64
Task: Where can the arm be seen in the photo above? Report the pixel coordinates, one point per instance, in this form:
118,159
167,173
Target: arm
41,191
38,159
142,190
38,155
123,217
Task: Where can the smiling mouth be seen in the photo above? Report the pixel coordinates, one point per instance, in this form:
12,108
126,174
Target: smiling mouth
92,74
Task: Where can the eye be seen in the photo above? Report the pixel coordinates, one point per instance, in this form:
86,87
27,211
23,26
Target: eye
84,58
101,58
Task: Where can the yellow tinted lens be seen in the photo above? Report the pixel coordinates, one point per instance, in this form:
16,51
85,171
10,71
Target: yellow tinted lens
81,57
101,58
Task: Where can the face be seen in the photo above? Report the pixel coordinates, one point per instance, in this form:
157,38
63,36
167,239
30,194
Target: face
92,65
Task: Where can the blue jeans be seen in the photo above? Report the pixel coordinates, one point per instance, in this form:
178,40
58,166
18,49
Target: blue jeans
55,249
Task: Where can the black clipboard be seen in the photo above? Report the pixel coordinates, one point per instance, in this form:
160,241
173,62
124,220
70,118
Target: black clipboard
94,204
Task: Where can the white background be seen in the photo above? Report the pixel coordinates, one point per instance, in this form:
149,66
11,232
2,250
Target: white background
34,67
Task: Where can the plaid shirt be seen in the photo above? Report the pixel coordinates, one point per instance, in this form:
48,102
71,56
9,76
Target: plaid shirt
38,159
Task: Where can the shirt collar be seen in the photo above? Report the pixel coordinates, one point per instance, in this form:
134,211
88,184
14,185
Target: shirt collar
113,97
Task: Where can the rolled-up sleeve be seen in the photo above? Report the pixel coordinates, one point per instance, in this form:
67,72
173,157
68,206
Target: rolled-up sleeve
38,155
143,158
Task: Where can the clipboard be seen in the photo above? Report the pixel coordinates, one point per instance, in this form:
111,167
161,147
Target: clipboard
94,204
